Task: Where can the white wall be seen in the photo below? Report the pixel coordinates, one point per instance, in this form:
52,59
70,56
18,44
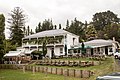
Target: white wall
70,40
57,51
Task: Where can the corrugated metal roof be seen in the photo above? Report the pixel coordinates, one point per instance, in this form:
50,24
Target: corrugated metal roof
97,43
13,53
55,32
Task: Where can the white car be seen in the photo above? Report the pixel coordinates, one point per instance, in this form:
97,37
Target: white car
113,76
116,55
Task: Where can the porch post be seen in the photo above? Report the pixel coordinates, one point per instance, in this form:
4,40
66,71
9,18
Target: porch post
37,44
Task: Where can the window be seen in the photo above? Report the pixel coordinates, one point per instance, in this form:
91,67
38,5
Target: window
110,50
73,41
78,51
75,51
69,51
61,50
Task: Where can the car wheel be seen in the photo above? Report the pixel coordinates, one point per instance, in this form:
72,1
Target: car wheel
116,57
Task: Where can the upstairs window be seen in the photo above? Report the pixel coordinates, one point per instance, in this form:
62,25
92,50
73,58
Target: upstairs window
61,50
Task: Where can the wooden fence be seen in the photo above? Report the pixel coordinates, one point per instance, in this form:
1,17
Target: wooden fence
49,70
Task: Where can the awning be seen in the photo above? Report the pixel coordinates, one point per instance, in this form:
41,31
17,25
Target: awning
86,47
28,51
14,54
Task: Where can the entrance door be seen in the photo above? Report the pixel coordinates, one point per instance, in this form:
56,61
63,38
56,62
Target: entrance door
92,51
52,52
106,50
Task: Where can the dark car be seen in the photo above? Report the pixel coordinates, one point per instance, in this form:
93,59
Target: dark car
113,76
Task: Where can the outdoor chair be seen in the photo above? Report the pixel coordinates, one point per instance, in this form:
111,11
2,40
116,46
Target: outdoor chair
41,62
49,62
70,56
53,63
59,63
46,62
87,63
70,63
64,63
75,63
82,64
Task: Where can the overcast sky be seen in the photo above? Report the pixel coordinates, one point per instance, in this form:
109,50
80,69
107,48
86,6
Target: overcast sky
58,10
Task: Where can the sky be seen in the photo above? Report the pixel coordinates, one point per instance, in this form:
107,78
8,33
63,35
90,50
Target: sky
58,10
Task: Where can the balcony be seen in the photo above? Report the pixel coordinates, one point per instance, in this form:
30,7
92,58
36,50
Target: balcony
51,41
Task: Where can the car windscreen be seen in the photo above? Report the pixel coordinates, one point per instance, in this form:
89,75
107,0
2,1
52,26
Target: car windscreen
114,74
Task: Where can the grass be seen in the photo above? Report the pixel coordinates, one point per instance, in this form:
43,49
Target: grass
107,67
8,74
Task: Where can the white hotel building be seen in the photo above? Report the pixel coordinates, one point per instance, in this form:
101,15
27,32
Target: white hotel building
62,39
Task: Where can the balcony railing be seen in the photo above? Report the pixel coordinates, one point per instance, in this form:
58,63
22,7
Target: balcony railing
57,40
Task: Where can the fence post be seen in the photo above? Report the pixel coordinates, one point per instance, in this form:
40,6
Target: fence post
46,71
61,71
23,68
74,72
89,73
33,68
65,76
81,71
56,71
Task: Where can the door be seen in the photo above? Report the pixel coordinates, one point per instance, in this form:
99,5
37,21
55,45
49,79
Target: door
106,50
52,52
92,51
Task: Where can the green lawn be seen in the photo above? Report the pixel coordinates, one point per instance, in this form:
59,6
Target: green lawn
107,66
8,74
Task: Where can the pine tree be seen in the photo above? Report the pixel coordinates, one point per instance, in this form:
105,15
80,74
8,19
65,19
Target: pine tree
24,31
45,25
28,30
67,25
36,29
55,27
76,27
60,26
17,22
31,32
39,27
2,35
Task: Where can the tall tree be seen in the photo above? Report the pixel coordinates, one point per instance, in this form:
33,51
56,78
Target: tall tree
77,27
55,27
24,31
90,32
67,24
111,31
60,26
28,30
36,29
101,19
45,25
39,27
2,35
17,22
31,32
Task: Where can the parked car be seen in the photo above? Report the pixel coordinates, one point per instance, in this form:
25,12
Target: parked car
113,76
117,55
